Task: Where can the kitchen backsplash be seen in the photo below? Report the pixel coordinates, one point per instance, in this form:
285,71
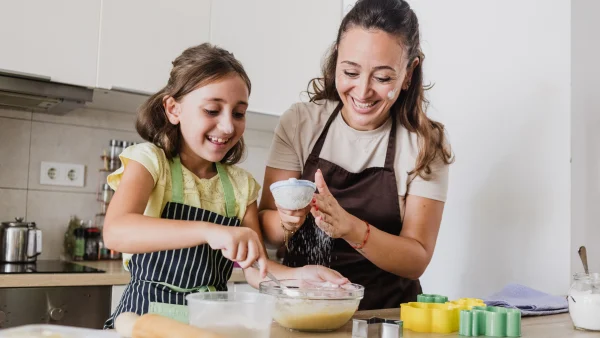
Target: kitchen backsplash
27,139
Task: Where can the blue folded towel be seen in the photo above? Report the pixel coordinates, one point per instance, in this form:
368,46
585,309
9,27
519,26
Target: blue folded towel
531,302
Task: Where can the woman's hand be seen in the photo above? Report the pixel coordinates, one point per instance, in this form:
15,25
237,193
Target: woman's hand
238,244
329,215
292,220
319,273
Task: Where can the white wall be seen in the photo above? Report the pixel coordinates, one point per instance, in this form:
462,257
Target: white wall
501,70
258,144
585,108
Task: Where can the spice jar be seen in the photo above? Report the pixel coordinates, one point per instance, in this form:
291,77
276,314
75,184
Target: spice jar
103,251
92,243
79,251
584,301
107,193
116,147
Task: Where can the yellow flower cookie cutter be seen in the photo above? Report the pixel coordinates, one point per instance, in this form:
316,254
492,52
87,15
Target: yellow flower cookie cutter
436,317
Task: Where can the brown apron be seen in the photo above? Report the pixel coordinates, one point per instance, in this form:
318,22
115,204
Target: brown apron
371,195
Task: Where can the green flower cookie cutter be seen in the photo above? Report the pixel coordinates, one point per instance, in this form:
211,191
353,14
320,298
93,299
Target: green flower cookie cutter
490,321
425,298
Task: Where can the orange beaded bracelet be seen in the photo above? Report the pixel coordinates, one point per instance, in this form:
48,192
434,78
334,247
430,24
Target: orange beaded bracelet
366,237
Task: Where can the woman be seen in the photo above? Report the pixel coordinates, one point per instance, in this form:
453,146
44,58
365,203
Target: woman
380,164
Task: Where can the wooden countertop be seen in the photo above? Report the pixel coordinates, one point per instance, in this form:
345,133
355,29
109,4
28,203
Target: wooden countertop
554,326
114,274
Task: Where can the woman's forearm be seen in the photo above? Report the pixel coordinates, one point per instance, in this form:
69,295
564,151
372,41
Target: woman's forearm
402,256
271,228
135,233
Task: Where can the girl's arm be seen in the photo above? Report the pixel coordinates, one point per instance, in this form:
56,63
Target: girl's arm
310,272
126,229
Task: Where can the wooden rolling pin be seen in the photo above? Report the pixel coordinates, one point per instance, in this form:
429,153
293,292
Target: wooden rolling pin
131,325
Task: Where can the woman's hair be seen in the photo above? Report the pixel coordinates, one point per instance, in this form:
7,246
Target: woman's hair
397,18
196,66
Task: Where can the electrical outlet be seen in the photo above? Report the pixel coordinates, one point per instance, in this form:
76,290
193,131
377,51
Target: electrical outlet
65,174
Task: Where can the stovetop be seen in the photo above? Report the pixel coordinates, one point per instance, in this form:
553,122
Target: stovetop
46,266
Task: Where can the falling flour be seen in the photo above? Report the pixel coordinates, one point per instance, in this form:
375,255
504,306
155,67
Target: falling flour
312,243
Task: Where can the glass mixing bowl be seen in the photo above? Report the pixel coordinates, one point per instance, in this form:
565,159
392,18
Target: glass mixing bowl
232,314
313,306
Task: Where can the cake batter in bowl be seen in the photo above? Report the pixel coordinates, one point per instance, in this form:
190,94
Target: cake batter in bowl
313,306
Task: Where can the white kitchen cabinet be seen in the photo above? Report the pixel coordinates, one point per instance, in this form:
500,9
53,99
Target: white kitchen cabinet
280,43
51,39
140,38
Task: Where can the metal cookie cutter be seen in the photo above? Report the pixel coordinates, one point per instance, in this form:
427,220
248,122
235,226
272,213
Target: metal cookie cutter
376,327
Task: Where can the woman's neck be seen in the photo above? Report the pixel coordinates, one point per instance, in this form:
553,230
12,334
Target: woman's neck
196,164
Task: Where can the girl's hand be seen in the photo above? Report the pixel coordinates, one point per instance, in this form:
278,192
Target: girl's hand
320,273
329,215
238,244
292,220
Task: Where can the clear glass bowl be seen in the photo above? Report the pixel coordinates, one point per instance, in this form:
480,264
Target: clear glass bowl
232,314
313,306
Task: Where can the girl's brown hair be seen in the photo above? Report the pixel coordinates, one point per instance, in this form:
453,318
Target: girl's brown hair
196,66
397,18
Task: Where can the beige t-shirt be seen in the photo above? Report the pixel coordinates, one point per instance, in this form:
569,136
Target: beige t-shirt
301,125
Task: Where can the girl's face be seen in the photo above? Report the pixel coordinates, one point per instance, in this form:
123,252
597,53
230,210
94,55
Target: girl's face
370,73
212,117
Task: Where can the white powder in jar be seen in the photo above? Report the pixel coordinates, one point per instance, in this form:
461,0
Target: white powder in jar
584,308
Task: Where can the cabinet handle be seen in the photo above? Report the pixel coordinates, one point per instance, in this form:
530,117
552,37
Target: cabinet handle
130,91
25,75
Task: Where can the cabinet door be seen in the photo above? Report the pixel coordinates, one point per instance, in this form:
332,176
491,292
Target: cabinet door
51,39
280,43
140,38
116,294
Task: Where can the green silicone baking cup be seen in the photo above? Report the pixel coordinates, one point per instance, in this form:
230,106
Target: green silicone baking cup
491,321
424,298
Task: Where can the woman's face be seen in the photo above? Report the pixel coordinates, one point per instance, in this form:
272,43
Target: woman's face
370,73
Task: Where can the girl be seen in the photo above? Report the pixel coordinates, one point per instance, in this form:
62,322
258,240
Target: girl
181,207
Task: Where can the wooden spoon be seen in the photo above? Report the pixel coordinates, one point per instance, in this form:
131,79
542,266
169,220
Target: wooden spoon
583,255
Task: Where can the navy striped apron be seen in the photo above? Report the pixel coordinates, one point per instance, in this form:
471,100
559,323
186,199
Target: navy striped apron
161,280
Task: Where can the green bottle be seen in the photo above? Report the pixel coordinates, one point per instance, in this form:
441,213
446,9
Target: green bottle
79,244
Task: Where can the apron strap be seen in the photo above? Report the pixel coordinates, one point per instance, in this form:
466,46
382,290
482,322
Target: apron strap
227,189
391,148
204,288
390,154
176,180
316,150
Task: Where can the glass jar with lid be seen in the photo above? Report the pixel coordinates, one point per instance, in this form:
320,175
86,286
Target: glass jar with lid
584,301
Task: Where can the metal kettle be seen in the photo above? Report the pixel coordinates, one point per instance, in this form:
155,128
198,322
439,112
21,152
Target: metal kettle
20,242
